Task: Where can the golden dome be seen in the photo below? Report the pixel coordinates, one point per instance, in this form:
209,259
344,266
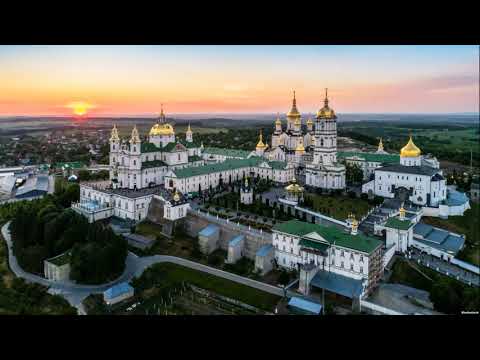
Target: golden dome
278,122
114,136
294,187
326,112
410,150
176,197
260,144
161,129
300,147
309,121
298,122
294,111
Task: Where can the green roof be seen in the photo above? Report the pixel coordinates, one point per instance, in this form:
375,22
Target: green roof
372,157
194,158
227,152
149,147
61,259
189,145
230,164
71,165
171,146
314,245
396,223
278,165
152,164
333,235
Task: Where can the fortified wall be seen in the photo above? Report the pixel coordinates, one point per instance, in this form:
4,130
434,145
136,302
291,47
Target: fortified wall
254,239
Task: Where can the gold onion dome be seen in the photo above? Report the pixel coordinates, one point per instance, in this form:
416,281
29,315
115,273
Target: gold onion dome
176,197
114,136
294,187
278,121
135,138
294,111
161,127
300,147
326,112
260,144
309,121
410,150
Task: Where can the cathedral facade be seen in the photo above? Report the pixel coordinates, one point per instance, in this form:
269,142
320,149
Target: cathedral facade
313,150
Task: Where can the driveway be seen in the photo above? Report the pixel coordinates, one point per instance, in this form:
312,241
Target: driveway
134,267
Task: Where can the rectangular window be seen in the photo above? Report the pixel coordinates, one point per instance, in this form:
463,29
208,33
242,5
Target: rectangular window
361,269
351,267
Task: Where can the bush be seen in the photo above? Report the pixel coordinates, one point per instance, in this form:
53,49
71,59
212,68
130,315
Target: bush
352,194
363,196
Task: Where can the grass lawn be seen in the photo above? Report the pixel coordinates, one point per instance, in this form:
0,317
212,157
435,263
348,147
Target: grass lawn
468,224
148,229
19,297
402,273
166,273
339,207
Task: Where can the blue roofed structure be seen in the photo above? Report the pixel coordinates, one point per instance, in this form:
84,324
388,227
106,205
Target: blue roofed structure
209,230
337,284
236,240
456,198
439,239
305,306
264,250
118,290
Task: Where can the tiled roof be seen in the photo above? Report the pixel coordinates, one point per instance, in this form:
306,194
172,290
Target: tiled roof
153,164
194,158
333,235
278,165
305,305
171,147
149,147
416,170
117,290
230,164
209,230
227,152
371,157
236,240
264,250
396,223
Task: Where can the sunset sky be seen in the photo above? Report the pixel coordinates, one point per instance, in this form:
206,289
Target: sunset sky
135,80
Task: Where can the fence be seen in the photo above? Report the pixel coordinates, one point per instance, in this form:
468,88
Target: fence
378,308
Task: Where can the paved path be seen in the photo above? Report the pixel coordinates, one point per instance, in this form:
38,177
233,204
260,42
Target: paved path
446,268
134,267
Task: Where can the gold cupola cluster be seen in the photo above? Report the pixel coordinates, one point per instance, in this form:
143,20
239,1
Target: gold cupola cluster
309,121
326,112
410,150
161,127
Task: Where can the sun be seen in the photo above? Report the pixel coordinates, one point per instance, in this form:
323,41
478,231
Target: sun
79,108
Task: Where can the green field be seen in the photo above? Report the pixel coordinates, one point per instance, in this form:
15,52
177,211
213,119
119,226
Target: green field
169,274
447,141
339,207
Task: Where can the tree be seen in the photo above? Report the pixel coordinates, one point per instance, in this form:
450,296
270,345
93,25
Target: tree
284,278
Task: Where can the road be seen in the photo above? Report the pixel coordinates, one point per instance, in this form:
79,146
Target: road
134,267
